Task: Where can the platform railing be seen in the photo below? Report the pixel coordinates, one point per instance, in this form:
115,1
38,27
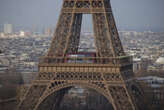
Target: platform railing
86,60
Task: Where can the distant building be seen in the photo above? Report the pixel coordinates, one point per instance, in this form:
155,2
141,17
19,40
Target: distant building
4,63
153,87
8,29
160,60
2,35
140,64
158,65
21,33
47,31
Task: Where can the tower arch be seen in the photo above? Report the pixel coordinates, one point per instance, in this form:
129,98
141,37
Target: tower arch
107,72
48,97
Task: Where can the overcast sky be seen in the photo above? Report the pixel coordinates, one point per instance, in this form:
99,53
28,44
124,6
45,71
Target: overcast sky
129,14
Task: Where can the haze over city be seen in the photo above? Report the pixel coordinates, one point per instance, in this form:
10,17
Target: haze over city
138,15
79,64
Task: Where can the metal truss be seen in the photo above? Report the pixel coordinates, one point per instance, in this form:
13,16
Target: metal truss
109,74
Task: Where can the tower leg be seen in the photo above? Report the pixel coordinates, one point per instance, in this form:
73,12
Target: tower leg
67,35
74,36
32,97
122,100
102,41
60,36
53,102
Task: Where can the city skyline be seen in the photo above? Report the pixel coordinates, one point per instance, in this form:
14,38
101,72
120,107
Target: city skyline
72,67
138,15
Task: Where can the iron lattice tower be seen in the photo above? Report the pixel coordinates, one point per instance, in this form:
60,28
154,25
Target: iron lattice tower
108,74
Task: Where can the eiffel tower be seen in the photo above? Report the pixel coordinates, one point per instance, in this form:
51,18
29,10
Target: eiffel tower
108,71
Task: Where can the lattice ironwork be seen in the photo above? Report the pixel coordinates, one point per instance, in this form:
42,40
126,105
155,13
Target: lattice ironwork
108,72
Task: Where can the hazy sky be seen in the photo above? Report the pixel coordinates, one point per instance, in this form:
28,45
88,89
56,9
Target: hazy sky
129,14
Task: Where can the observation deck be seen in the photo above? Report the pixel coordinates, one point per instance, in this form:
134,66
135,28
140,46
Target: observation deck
89,61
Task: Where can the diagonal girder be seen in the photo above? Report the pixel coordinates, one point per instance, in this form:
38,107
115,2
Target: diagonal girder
109,76
67,33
